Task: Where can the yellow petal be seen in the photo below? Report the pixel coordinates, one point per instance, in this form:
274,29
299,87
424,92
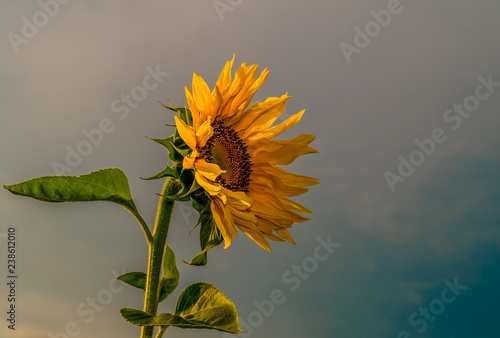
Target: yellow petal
286,177
204,132
256,237
193,108
186,132
189,160
282,152
275,186
221,221
208,170
216,102
261,115
238,199
224,80
202,96
283,233
280,202
211,187
278,129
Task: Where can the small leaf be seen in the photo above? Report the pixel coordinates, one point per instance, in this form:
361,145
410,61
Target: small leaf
210,237
135,279
138,280
199,306
104,185
170,274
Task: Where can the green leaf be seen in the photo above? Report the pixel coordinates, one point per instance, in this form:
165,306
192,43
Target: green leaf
199,306
104,185
170,274
135,279
210,237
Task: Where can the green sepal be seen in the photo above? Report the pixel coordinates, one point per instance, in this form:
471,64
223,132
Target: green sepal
109,184
210,236
199,306
167,172
189,184
167,143
184,114
181,148
199,200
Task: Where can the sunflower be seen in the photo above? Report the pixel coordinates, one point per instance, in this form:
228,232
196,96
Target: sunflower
235,158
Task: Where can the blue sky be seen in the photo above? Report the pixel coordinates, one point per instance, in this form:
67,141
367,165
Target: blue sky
399,249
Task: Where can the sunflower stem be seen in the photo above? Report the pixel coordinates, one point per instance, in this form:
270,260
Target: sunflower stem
157,249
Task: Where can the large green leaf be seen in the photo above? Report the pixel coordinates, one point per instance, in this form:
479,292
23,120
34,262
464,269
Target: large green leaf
199,306
103,185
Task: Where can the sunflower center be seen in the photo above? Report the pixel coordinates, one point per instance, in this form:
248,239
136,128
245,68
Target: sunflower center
226,149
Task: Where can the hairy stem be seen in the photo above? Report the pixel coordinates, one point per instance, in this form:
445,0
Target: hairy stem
157,249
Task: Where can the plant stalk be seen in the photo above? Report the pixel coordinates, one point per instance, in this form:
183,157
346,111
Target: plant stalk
157,249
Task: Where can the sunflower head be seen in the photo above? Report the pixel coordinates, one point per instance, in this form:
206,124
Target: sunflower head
225,152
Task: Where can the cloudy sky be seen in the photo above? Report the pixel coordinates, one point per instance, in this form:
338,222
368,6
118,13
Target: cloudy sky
404,99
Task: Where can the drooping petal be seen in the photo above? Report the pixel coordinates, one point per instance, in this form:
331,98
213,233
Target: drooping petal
259,239
220,220
211,187
238,199
208,170
286,177
283,233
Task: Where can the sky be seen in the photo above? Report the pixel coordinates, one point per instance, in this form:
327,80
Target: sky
402,96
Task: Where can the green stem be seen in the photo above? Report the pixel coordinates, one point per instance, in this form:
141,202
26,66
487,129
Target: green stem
161,332
157,249
145,228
